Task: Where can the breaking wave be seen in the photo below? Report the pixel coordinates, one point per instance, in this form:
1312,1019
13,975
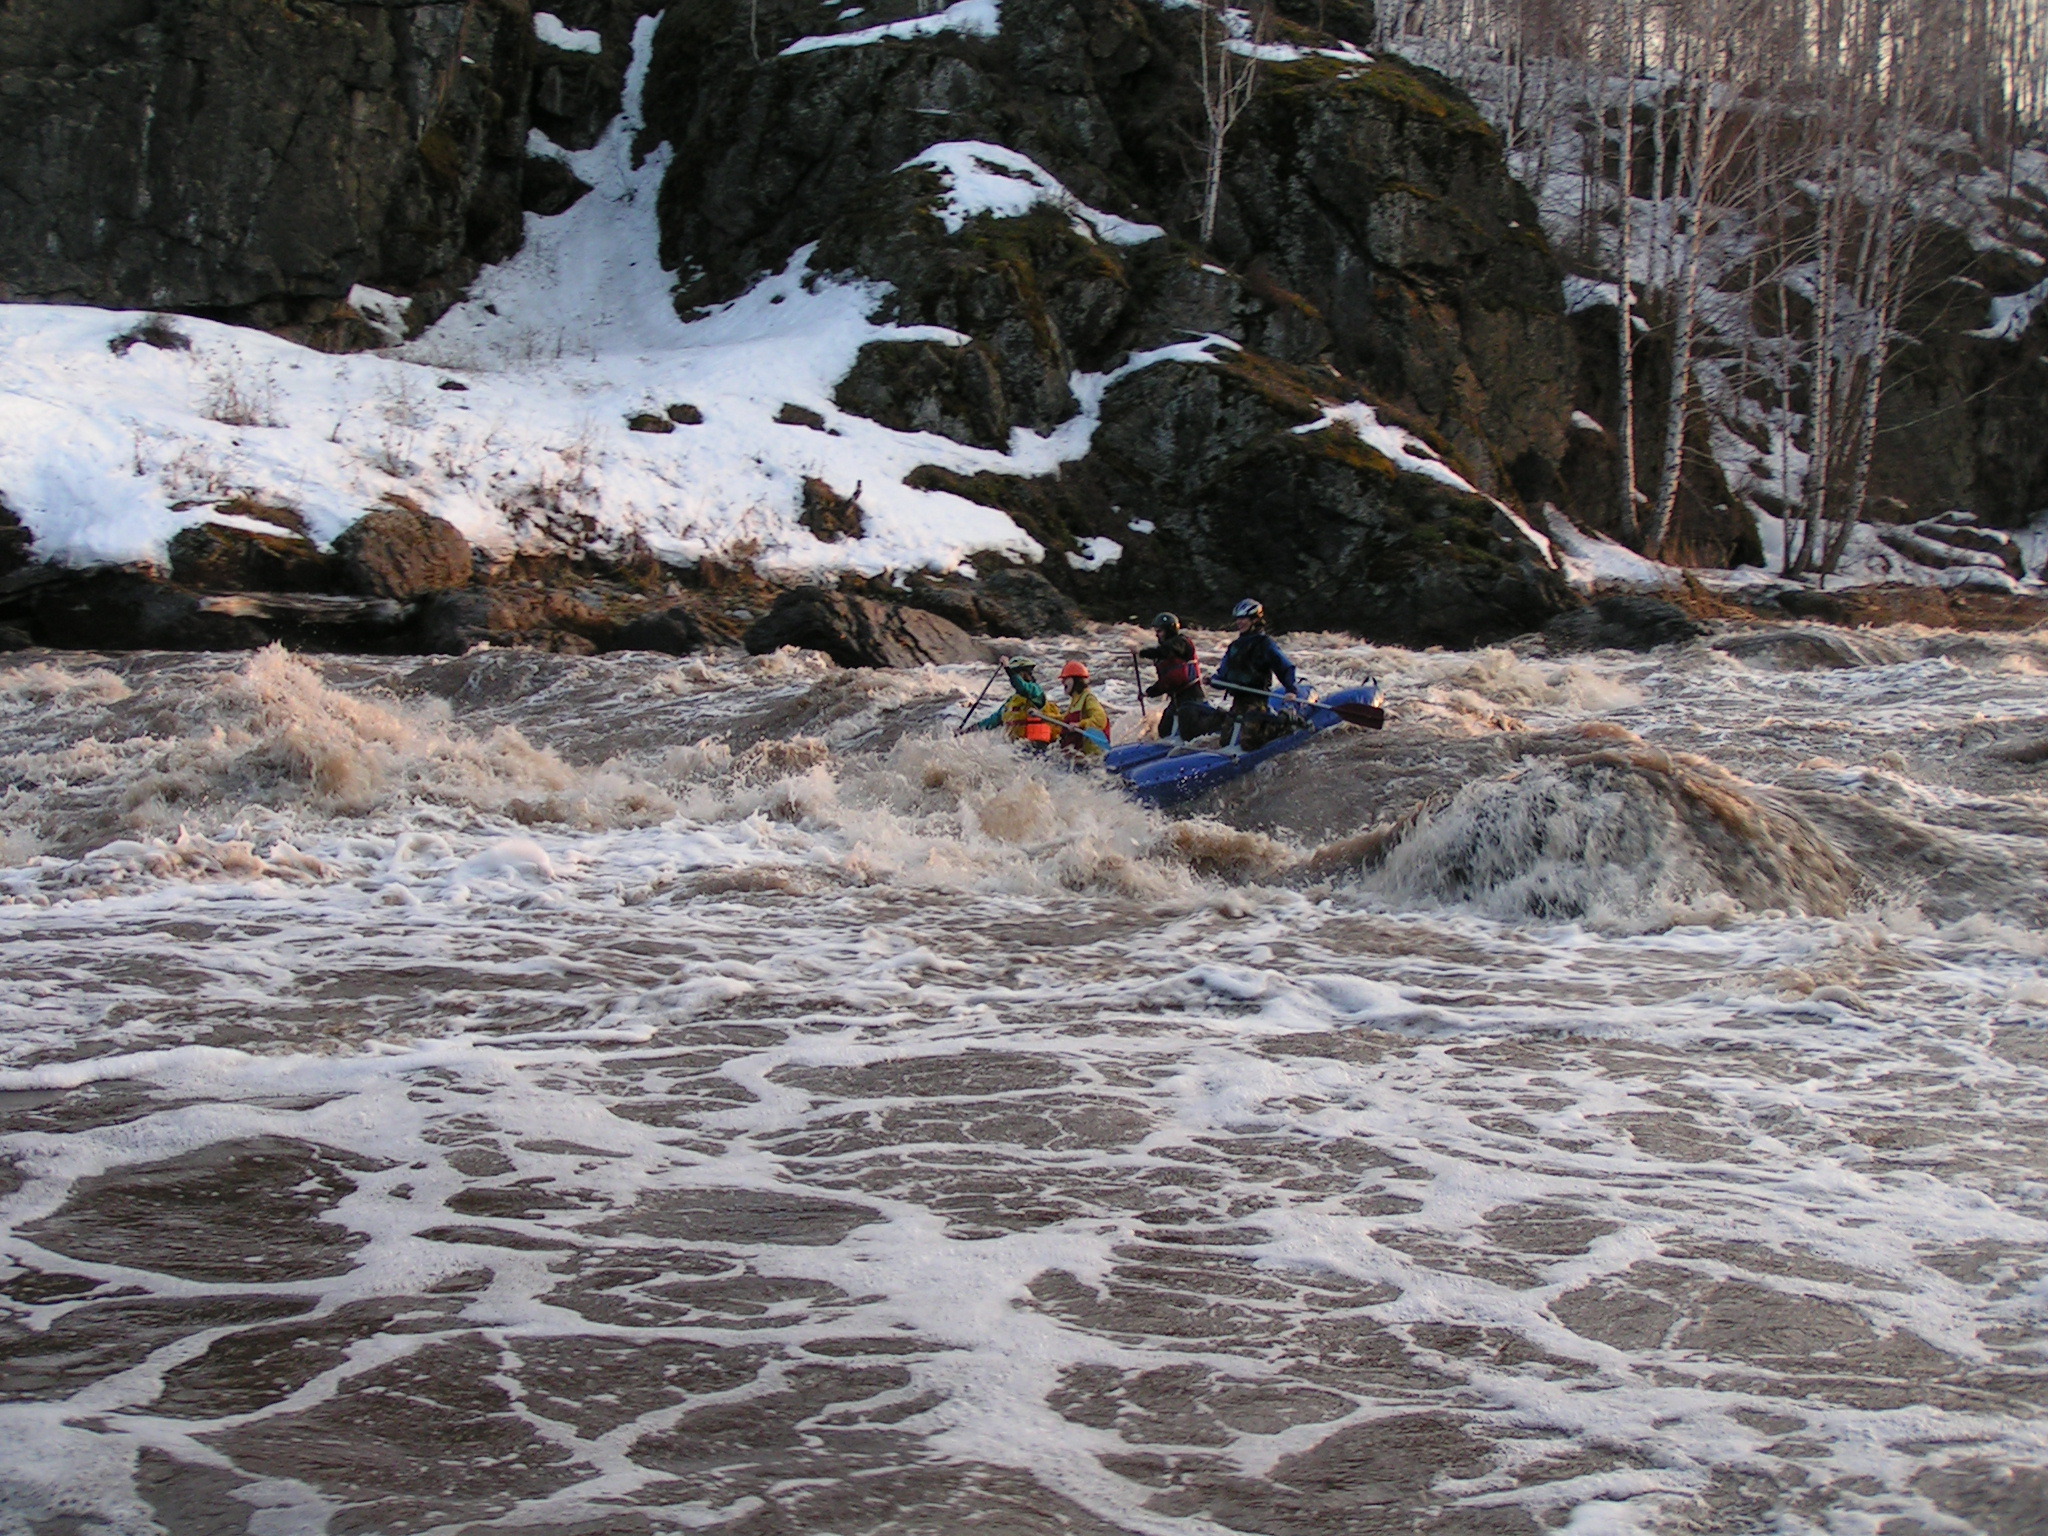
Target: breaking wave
1624,839
809,778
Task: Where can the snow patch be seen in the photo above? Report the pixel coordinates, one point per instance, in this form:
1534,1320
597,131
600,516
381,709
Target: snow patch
994,180
1594,562
1583,293
1411,455
2011,314
971,18
1094,554
1409,452
551,30
385,312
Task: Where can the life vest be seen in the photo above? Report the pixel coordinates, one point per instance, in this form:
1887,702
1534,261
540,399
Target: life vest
1021,718
1180,676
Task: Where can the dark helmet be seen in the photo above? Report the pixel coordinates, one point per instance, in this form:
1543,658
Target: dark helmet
1251,608
1166,623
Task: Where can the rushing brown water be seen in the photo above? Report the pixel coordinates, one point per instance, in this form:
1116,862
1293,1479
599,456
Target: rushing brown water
539,1094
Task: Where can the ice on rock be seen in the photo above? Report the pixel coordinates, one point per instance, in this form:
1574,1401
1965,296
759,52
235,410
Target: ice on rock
2012,314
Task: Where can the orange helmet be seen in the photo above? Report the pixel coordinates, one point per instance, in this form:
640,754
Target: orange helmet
1074,669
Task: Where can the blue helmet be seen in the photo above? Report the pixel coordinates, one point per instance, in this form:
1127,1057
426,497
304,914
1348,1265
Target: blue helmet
1250,608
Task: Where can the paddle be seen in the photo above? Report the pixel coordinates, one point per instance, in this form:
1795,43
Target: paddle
962,726
1144,714
1371,716
1100,738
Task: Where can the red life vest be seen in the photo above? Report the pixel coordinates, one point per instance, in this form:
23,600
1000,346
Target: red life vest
1179,676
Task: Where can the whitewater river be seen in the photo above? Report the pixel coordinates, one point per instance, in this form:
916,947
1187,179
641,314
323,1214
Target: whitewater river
539,1094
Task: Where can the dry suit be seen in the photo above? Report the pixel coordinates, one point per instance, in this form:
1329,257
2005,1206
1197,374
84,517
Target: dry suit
1180,683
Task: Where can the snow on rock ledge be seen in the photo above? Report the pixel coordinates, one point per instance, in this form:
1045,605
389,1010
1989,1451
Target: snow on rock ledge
973,18
994,180
553,31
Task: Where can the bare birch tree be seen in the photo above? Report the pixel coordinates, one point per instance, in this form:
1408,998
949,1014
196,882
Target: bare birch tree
1231,41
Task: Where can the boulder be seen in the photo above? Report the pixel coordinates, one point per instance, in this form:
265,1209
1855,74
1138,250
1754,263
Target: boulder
403,553
1622,621
1023,602
1018,602
219,558
540,617
1808,650
673,631
860,632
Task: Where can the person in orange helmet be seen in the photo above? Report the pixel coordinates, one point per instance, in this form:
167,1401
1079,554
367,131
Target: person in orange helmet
1084,723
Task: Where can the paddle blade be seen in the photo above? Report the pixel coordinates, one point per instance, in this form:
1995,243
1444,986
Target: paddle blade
1371,716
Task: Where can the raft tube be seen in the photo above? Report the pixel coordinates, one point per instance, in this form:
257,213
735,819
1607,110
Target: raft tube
1167,773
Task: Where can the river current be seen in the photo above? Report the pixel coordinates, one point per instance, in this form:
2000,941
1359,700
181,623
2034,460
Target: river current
539,1094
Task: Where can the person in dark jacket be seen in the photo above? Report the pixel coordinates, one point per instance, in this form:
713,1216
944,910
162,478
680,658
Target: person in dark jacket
1180,677
1247,673
1253,660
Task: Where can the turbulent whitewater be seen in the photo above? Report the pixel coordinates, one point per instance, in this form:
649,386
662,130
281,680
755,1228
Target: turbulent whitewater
533,1093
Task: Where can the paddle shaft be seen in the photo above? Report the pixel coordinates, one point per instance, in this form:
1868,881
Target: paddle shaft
961,728
1371,716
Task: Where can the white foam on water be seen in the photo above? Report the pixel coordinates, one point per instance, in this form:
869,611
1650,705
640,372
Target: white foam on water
962,1121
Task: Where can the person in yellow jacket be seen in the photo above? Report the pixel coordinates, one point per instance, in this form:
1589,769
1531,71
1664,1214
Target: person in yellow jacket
1084,723
1027,715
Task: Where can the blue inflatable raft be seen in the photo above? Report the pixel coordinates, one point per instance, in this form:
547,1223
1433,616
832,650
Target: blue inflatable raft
1167,773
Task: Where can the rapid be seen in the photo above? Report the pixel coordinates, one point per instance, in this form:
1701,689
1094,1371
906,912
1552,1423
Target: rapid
547,1094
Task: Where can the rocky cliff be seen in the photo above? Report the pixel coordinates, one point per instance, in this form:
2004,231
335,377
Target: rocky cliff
1334,404
259,159
1371,248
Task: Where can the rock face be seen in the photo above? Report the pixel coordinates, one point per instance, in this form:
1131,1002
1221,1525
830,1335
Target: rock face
1961,420
1372,249
1368,219
256,160
860,632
